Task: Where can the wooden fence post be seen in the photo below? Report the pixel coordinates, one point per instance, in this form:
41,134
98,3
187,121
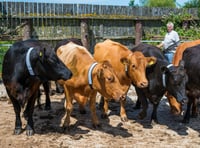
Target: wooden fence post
138,32
27,31
85,34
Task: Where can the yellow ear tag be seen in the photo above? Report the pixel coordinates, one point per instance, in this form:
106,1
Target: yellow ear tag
151,62
40,54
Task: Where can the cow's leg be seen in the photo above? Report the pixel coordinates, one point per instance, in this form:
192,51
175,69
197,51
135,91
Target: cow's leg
92,102
29,111
18,122
59,88
38,101
137,104
123,111
104,102
82,102
187,114
46,91
154,113
68,106
194,108
144,103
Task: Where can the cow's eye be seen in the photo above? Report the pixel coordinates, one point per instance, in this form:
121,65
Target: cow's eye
110,79
133,66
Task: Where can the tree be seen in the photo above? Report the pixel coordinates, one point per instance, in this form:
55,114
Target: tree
193,4
161,3
131,3
155,3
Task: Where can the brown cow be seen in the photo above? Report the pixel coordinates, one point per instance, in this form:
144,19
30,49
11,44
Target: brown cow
89,77
176,107
130,68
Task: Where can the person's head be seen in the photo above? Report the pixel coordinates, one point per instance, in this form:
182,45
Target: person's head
170,26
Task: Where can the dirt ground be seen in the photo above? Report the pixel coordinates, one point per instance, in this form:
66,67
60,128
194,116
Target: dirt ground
112,133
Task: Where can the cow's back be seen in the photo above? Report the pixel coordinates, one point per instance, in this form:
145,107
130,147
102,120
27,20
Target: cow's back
111,51
149,50
180,49
74,56
17,53
191,56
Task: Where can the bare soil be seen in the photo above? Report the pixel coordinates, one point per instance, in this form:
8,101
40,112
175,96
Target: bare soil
112,133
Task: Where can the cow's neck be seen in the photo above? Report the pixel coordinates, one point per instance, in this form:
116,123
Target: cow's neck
28,62
90,74
164,79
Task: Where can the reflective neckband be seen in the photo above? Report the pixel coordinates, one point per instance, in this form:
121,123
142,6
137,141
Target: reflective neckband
28,63
164,76
90,73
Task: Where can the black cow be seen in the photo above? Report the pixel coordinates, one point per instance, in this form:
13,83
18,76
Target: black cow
191,56
47,85
162,77
26,65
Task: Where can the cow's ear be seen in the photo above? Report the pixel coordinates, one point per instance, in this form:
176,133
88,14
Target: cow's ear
106,64
151,61
164,69
124,61
99,72
182,63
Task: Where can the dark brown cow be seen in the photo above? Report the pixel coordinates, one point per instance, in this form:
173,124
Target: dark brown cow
89,77
176,107
26,65
191,56
130,67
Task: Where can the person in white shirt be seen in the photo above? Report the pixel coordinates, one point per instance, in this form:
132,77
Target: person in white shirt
171,41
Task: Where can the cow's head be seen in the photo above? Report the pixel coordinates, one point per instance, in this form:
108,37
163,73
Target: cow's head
47,66
175,80
135,66
106,82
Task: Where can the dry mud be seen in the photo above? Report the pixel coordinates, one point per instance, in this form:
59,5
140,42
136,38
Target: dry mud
112,133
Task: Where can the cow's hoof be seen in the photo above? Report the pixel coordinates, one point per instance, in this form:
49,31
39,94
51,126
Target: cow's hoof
66,129
29,130
104,116
96,126
154,122
141,115
124,118
17,131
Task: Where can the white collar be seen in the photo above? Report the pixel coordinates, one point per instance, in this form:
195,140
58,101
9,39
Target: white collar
28,63
90,73
164,76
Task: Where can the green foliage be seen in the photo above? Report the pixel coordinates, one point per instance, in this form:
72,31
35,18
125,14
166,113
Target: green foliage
193,4
191,31
161,3
187,27
3,49
131,3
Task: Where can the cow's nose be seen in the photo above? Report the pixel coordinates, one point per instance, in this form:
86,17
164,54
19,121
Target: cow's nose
143,84
123,97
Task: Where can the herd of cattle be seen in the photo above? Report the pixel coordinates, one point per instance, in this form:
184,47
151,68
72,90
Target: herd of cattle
110,71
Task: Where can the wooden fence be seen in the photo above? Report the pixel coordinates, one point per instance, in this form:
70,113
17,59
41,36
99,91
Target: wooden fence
90,23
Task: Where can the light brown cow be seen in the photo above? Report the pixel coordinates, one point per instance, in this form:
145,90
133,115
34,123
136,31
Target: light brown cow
176,107
130,68
89,77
